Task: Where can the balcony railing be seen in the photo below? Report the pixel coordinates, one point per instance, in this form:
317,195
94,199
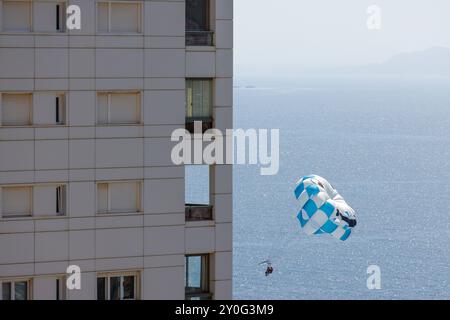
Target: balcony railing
198,212
199,38
207,123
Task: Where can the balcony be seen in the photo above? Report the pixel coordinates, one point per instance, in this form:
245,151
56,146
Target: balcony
198,212
206,122
199,38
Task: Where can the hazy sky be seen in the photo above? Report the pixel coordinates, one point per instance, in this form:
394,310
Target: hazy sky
279,37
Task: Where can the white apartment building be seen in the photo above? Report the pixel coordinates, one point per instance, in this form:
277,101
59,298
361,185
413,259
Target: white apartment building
86,176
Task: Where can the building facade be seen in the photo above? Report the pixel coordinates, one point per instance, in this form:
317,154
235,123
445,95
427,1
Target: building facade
86,175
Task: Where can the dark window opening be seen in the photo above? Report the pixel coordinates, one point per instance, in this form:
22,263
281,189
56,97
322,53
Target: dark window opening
58,293
197,15
60,200
6,291
60,113
116,288
57,111
58,18
101,288
198,29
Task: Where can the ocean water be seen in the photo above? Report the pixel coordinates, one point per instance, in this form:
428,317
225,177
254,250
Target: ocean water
384,143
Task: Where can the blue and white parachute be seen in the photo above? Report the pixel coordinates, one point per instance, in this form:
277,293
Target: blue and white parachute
323,210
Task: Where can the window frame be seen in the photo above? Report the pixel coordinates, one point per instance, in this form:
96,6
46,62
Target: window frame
31,202
108,108
107,276
30,111
60,96
12,282
211,97
61,200
60,109
139,198
31,20
208,18
61,288
109,32
205,277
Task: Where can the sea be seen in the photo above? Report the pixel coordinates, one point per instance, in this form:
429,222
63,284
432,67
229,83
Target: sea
384,144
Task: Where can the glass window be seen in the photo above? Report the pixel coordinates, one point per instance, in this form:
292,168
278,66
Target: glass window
21,290
6,291
114,284
101,288
117,287
15,290
128,287
196,184
194,273
197,15
197,275
198,98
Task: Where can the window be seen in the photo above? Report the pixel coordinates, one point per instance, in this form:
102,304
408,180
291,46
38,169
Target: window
49,108
198,103
119,17
197,193
60,202
16,290
49,16
49,200
16,16
60,109
197,277
60,289
198,23
28,16
118,108
117,287
16,109
16,201
197,15
118,197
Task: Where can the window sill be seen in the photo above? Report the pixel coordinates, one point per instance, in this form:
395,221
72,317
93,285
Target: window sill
31,217
200,224
200,48
18,217
119,213
115,34
37,126
34,33
108,125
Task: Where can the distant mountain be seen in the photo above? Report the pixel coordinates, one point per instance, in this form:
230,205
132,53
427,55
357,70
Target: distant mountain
433,61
